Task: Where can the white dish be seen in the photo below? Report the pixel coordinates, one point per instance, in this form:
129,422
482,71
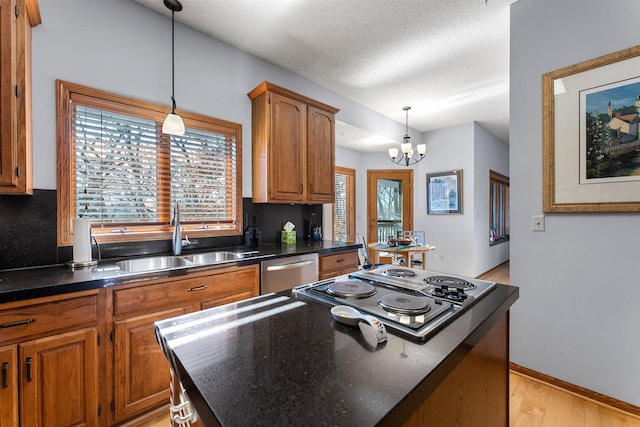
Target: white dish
345,314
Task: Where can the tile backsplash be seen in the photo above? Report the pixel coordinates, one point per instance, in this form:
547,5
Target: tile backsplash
28,231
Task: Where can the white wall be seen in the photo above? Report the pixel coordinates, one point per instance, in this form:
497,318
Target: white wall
462,242
123,47
489,154
577,317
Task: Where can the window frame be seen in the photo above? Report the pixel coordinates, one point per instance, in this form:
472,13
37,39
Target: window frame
502,222
350,203
97,98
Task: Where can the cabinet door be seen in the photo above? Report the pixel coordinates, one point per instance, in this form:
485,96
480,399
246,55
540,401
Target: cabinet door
320,156
59,380
8,386
8,99
287,165
15,98
142,375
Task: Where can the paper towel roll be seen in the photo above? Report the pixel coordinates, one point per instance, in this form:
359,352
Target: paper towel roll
81,240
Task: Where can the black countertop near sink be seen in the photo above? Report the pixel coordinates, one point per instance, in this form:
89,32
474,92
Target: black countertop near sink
277,360
34,282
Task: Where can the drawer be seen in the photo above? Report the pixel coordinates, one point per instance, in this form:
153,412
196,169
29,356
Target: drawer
339,261
169,293
39,319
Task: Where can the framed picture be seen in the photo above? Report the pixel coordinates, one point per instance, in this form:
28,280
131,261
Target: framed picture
590,140
444,192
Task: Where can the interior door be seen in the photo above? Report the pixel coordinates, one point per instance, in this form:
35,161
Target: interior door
389,203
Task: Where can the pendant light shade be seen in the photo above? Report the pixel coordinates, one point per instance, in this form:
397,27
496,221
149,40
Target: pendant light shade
406,149
173,124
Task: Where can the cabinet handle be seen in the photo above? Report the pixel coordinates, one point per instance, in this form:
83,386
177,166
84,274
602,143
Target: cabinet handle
28,368
5,368
18,323
340,260
301,188
197,288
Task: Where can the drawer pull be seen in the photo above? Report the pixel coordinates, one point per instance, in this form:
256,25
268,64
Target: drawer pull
341,260
28,368
197,288
19,323
5,368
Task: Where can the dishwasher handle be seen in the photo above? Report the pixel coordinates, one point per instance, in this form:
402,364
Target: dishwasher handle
290,266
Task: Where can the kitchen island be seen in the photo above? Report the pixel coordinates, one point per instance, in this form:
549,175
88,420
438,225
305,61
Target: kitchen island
280,359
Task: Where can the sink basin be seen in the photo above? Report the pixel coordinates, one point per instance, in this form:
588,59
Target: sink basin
213,257
152,264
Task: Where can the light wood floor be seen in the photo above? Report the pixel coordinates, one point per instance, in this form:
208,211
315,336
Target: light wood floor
534,403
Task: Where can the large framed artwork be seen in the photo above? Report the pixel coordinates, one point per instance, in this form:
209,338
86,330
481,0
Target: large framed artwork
444,192
591,138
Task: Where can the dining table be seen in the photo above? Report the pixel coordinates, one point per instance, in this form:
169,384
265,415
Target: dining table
400,251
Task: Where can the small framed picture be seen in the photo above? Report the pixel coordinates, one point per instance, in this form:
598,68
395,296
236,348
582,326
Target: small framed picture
444,192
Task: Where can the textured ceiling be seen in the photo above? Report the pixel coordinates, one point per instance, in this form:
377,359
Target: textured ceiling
447,59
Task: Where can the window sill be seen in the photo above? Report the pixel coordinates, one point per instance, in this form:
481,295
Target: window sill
497,242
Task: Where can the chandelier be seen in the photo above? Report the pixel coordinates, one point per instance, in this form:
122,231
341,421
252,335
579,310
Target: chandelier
408,154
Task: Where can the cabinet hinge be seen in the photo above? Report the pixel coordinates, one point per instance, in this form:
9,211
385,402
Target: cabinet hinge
17,92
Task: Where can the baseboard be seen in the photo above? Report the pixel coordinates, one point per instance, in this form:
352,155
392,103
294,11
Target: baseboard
580,391
488,272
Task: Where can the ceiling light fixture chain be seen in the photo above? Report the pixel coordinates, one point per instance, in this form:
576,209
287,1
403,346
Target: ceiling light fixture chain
407,153
173,124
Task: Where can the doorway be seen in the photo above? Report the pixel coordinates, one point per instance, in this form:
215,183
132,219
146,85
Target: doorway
389,203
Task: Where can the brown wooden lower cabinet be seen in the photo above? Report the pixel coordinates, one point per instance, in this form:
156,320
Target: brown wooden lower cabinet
141,369
59,386
476,392
141,373
9,386
337,264
50,369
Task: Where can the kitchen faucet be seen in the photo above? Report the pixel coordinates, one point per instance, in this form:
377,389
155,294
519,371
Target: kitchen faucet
176,239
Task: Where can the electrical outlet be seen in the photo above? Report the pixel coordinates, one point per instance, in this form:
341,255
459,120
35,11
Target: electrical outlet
537,222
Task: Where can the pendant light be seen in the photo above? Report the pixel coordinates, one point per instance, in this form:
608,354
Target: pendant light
408,153
173,124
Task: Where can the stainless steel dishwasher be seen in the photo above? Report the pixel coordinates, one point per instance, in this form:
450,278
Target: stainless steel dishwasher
287,272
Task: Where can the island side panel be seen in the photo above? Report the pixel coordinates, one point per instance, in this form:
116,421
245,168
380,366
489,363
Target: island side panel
476,392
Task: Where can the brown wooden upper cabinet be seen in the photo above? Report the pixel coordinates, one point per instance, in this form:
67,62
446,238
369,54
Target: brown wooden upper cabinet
17,17
293,147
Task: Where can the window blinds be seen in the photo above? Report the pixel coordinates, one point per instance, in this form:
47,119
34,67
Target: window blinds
127,172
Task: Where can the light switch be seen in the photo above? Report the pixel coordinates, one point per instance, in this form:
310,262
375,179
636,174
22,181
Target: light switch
537,222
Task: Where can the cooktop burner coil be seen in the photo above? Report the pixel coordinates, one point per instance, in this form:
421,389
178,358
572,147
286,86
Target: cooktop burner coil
449,281
399,272
351,289
404,304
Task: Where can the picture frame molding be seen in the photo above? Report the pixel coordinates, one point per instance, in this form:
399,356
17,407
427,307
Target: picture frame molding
550,204
459,192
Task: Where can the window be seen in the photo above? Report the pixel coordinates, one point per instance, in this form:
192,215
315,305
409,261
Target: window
118,169
344,211
498,208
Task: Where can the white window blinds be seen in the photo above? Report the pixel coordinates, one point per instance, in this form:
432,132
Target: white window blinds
127,171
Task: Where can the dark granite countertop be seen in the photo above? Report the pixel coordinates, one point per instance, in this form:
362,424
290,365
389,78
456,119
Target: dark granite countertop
34,282
277,360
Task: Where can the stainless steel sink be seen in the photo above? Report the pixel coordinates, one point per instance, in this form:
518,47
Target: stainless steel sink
153,264
213,257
